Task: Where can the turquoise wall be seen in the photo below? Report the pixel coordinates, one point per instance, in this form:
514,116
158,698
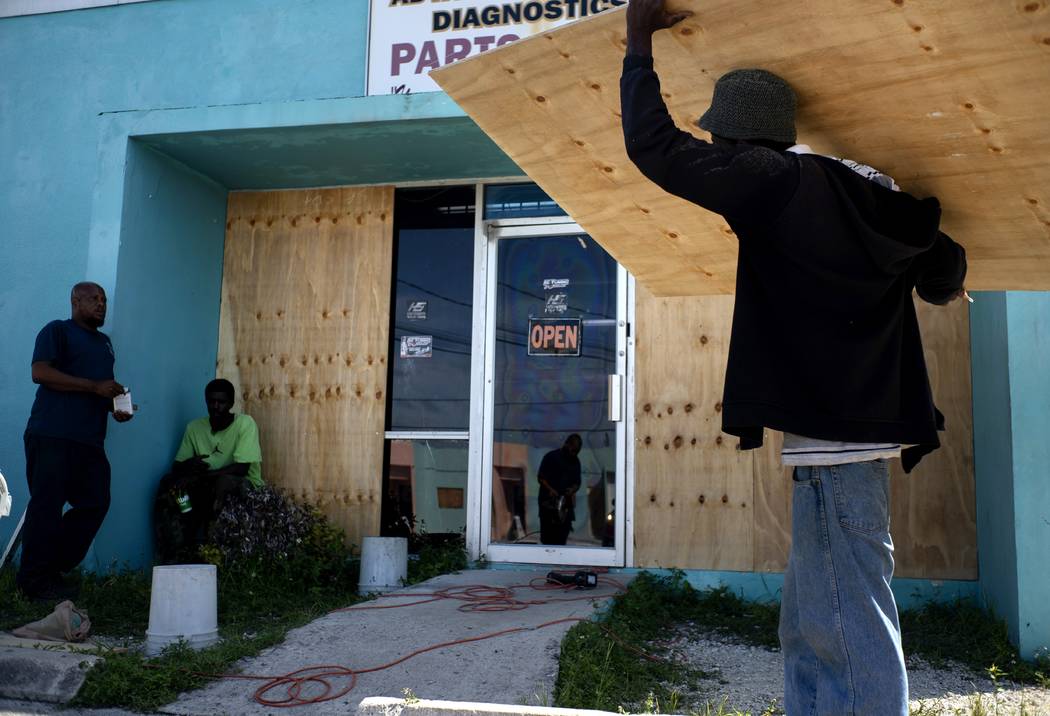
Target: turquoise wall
766,586
65,77
1010,335
121,131
170,264
1029,328
993,455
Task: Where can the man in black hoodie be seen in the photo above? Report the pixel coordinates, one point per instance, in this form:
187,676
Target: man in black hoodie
825,347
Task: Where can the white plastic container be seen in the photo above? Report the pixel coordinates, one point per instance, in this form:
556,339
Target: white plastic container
384,564
183,605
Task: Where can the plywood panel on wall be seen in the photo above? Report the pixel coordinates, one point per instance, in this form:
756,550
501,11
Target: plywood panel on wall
947,96
934,516
303,336
693,487
744,520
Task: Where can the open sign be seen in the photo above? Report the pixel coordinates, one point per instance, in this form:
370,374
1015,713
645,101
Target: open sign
554,336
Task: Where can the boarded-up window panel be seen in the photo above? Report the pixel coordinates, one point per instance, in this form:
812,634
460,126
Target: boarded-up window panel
933,510
693,488
934,516
681,353
303,336
450,498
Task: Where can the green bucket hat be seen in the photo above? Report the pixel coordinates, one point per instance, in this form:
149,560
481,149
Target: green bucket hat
751,104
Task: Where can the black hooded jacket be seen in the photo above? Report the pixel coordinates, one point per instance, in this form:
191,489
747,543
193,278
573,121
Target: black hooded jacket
825,342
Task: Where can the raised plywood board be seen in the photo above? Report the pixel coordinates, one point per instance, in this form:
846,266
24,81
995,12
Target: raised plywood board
948,96
303,336
702,504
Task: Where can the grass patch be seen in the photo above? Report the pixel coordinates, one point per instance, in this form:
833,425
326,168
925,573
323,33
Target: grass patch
250,621
436,556
270,581
118,603
257,608
596,672
252,616
963,632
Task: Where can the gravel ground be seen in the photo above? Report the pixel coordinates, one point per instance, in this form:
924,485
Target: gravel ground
749,679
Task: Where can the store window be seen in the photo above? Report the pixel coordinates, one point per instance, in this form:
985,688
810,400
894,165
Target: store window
519,201
432,316
426,488
431,328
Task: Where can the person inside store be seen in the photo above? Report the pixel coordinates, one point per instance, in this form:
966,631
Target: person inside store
559,478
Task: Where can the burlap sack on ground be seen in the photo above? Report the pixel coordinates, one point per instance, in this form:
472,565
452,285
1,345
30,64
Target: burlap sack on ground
66,623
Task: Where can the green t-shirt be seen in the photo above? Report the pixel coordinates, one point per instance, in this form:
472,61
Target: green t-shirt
237,443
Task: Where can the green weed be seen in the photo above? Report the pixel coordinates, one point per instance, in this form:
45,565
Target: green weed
722,708
597,672
437,557
269,581
963,632
252,617
118,603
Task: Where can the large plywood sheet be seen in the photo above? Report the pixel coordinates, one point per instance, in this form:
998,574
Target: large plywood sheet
948,96
303,336
702,504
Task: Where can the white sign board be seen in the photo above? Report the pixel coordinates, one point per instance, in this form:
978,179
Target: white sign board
409,38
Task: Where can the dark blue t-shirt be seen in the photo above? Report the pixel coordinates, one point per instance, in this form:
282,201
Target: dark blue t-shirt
76,416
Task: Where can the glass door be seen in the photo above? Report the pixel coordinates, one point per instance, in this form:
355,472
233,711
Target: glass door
554,488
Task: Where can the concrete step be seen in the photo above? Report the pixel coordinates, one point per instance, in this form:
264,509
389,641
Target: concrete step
385,706
42,674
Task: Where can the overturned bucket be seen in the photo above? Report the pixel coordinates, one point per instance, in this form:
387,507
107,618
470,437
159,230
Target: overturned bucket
183,606
384,564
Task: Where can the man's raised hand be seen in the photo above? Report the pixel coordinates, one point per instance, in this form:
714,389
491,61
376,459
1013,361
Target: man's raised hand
644,17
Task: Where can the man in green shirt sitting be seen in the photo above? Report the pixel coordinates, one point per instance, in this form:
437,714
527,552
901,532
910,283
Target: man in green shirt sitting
219,456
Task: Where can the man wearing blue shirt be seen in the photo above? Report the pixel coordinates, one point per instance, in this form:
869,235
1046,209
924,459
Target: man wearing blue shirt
65,457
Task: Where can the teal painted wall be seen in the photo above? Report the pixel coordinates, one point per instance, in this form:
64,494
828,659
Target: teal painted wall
993,455
766,586
1010,335
63,77
170,262
1029,330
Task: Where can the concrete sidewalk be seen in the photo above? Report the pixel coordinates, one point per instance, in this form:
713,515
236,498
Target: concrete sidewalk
515,668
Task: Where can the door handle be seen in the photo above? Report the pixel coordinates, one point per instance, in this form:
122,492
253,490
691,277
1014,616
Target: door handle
615,401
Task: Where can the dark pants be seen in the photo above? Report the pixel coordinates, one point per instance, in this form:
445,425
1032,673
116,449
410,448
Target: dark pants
61,471
554,529
179,535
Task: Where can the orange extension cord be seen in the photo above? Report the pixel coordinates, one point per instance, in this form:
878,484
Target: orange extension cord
474,598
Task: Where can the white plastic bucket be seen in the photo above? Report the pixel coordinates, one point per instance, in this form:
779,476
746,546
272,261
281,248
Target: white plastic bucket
183,605
384,564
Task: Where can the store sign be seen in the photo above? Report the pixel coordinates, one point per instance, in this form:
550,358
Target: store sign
417,311
409,38
554,336
556,303
417,346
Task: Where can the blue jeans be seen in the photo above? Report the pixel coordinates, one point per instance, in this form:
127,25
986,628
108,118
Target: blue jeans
838,622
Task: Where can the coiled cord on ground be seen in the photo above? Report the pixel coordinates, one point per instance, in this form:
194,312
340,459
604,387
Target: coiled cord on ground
287,690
